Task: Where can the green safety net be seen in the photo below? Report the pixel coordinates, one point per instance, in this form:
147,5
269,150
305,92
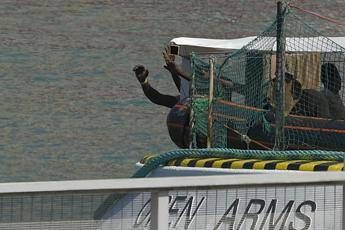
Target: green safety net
244,108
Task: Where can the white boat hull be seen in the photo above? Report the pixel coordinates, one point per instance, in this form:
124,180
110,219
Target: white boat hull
268,207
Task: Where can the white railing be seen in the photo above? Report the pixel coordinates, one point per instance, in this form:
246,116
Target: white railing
160,187
169,183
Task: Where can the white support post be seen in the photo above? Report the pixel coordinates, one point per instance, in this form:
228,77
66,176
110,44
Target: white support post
160,210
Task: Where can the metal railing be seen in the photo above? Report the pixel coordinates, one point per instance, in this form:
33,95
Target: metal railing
43,205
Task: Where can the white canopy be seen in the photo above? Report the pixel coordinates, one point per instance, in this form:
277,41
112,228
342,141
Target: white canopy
294,44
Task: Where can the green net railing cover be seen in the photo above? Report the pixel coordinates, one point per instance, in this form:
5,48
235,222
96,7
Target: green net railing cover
244,105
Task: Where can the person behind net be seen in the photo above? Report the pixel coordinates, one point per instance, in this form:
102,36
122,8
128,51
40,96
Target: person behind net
309,102
331,80
178,117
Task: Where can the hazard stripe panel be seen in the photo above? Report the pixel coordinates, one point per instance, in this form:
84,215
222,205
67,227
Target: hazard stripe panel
300,165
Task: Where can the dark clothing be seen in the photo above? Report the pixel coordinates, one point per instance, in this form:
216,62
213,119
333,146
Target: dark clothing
331,80
178,124
160,99
312,103
336,107
178,117
177,81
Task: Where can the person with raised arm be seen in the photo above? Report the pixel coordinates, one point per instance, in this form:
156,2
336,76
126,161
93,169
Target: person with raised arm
178,117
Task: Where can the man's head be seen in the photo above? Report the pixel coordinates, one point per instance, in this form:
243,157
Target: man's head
330,77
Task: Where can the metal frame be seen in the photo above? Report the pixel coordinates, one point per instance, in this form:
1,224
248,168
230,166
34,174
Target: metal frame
280,87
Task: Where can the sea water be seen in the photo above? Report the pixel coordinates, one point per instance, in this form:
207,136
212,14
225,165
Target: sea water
70,106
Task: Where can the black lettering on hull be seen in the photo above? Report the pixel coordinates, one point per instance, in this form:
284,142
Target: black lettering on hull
252,215
306,219
226,219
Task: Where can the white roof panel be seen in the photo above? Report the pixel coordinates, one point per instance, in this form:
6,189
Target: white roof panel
293,44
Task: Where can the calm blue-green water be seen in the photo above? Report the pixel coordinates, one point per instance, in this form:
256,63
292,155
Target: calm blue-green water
70,107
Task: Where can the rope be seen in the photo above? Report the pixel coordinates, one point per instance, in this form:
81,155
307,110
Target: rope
247,139
318,15
162,159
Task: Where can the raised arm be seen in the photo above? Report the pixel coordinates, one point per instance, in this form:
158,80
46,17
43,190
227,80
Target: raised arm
173,67
168,58
176,71
153,95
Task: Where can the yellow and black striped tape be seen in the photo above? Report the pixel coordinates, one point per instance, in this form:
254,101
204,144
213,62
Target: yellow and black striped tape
301,165
147,158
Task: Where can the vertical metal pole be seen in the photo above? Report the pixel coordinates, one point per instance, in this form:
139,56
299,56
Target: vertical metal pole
280,86
159,210
192,142
210,99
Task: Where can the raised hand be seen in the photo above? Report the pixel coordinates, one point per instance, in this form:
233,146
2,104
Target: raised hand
141,73
169,60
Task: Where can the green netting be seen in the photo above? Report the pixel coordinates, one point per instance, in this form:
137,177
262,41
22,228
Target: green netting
244,109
